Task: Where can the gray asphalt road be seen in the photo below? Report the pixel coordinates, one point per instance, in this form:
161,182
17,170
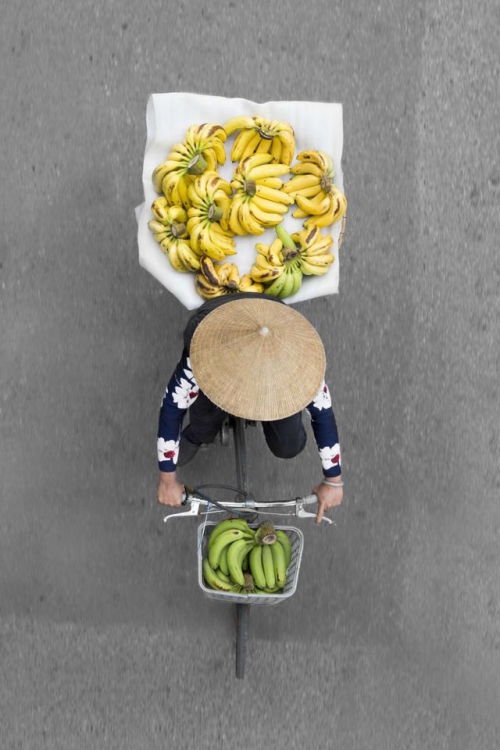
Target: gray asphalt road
393,639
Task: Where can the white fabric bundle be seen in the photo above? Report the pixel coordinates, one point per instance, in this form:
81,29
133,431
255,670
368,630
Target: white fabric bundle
317,125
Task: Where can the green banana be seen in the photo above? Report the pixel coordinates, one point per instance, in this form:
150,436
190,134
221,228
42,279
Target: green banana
235,555
256,567
286,544
213,580
275,288
278,554
289,284
223,576
223,562
244,564
231,535
283,235
268,566
229,523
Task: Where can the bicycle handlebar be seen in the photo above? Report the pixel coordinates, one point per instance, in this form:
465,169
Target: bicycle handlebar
198,502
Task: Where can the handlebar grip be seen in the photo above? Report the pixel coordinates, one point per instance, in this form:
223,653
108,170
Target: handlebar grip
310,499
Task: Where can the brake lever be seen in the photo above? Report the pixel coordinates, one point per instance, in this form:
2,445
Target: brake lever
193,509
301,513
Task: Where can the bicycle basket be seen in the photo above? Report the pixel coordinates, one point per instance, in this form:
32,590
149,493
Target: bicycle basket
297,539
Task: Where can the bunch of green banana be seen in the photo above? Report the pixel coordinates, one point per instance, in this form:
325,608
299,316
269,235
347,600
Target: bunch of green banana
207,223
169,230
228,545
260,136
233,546
258,201
314,191
269,559
214,280
201,150
278,266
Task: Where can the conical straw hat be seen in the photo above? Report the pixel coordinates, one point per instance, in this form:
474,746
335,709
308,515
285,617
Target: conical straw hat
257,359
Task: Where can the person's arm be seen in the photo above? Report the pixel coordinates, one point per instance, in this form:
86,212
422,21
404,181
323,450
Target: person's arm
182,390
327,439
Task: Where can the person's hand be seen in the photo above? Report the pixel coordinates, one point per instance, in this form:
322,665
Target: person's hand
169,489
328,497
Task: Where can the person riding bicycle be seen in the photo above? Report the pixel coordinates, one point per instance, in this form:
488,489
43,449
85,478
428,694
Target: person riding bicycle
249,355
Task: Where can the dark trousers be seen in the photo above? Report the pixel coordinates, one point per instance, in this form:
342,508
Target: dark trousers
285,437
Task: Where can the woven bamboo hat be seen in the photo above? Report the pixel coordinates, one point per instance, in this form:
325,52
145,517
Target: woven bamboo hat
257,359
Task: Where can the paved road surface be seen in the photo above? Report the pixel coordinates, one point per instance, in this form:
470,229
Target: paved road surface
393,639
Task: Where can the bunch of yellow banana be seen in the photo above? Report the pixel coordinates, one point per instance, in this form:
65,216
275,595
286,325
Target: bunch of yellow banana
260,136
169,229
207,224
258,202
314,191
201,150
223,278
313,247
234,548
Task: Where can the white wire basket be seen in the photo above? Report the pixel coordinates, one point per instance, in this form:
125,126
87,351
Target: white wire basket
297,541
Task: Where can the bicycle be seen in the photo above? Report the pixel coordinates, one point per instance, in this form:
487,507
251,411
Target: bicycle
249,509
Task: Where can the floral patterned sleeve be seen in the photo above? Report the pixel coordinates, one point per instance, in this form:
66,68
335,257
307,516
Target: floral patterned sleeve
182,390
325,431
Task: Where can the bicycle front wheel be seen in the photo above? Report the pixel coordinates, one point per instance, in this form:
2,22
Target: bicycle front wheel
242,617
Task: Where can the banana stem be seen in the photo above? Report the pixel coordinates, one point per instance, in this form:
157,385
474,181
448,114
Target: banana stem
289,247
215,213
250,188
197,165
177,229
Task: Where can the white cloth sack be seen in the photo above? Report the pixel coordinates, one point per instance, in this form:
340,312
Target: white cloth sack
317,125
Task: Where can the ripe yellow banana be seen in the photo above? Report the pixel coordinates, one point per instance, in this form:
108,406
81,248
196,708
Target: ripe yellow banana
270,206
239,123
247,284
317,157
299,214
264,146
267,170
240,144
272,182
251,146
276,150
300,182
335,212
264,275
189,258
233,216
318,261
175,258
307,168
206,289
247,220
315,207
265,218
256,160
271,194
